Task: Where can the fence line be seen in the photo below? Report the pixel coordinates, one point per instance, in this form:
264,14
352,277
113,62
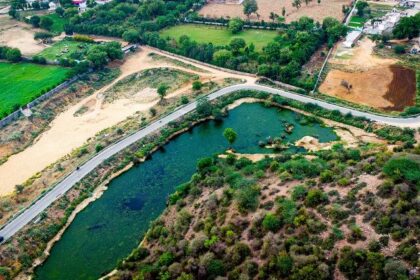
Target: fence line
16,114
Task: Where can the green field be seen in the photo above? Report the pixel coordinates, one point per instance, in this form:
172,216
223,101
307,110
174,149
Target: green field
357,22
219,35
20,83
66,49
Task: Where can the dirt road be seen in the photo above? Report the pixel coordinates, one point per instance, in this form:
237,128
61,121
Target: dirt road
70,131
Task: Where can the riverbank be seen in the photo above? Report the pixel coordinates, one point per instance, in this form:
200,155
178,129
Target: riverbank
225,101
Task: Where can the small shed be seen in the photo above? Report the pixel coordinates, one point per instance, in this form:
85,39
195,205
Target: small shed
352,38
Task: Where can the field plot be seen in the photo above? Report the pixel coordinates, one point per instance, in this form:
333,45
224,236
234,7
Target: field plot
376,82
66,49
18,35
357,22
219,35
22,82
327,8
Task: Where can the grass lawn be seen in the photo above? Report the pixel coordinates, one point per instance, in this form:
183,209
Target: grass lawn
20,83
66,49
58,23
357,21
219,35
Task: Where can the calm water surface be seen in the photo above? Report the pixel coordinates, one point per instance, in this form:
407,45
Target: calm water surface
111,227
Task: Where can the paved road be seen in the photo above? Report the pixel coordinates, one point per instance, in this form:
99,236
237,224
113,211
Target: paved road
61,188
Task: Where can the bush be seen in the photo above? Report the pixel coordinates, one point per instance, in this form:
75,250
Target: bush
248,198
402,169
271,222
83,38
315,197
398,49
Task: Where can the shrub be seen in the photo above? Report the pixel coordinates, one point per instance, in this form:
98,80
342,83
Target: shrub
299,192
248,198
315,197
271,222
398,49
83,38
403,169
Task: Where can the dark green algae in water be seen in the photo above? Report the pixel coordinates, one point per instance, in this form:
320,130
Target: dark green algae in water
112,226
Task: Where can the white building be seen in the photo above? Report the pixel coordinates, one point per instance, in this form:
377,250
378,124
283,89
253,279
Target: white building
102,2
352,38
383,25
52,7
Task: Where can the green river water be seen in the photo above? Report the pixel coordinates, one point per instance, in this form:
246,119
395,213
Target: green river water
109,228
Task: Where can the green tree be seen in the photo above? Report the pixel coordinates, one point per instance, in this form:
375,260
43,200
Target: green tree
43,36
236,44
46,23
360,6
230,135
407,27
284,264
196,85
59,11
13,55
19,189
250,7
162,91
35,20
221,57
131,36
97,57
235,25
204,107
402,169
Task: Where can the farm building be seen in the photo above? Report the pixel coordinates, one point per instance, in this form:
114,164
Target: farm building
352,38
383,25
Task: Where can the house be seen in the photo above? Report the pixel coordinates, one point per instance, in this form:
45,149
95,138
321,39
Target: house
383,25
351,38
52,6
102,2
81,4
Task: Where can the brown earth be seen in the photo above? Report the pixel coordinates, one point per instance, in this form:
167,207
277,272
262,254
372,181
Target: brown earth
402,90
376,82
19,35
327,8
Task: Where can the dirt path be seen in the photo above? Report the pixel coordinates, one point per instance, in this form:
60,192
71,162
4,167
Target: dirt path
69,130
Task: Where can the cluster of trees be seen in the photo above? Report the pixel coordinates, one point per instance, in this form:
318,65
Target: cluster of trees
117,17
407,27
10,54
281,59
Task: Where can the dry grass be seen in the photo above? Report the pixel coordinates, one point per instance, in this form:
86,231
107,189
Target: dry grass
327,8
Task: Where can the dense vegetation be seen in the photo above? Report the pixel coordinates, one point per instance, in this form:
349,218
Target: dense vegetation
235,219
281,58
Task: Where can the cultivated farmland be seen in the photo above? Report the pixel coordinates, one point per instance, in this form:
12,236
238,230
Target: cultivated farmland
219,35
326,8
23,82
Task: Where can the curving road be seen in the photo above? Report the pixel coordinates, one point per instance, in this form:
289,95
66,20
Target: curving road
29,214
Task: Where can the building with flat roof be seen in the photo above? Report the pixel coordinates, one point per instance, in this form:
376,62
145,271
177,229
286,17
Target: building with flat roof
351,38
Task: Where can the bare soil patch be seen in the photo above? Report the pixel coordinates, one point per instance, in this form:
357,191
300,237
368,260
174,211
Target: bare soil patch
327,8
82,121
402,90
375,81
19,35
